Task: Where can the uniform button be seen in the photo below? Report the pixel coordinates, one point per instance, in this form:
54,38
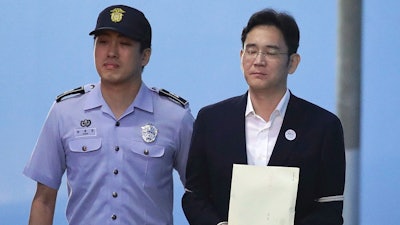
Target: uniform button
115,171
115,194
116,148
146,152
117,124
114,217
84,148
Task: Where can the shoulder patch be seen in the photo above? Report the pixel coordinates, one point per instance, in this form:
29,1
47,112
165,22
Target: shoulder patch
76,91
175,98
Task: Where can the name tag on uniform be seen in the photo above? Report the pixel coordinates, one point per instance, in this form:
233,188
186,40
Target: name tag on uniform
82,132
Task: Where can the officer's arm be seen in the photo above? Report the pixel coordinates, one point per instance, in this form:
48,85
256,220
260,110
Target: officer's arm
43,205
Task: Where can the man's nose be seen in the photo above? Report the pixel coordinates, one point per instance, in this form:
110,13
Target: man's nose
113,49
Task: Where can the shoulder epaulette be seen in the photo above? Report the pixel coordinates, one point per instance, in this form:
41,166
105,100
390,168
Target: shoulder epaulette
78,90
181,101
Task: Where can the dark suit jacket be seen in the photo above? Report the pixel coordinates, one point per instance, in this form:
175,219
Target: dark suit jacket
219,141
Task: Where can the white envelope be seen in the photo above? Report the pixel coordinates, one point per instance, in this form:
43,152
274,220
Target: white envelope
263,195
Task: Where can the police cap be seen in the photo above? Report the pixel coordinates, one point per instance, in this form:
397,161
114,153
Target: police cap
125,20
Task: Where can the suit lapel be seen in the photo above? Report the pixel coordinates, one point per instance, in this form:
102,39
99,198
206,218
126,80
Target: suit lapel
238,118
284,146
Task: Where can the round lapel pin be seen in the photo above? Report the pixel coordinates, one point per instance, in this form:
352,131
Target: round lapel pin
290,135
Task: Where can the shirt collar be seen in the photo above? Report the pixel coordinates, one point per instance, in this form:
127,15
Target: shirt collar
142,101
279,110
94,98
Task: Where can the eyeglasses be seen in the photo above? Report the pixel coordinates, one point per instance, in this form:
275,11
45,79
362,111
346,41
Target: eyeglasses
270,54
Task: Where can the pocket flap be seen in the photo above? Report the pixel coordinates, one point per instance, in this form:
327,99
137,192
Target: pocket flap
85,145
149,151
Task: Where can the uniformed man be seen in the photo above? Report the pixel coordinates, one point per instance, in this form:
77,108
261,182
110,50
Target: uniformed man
118,140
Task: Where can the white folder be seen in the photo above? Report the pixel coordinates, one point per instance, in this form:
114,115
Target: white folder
263,195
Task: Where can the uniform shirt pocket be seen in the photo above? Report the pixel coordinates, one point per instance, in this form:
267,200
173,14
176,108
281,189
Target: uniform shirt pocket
151,163
85,145
148,151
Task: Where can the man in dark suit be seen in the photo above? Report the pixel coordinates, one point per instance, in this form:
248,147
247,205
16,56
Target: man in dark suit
267,125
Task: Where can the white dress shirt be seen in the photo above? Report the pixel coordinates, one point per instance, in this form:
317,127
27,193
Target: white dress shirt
261,135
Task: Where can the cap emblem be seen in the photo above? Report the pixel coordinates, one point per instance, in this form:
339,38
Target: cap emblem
117,14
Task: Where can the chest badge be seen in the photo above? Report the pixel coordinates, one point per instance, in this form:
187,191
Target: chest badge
149,133
85,123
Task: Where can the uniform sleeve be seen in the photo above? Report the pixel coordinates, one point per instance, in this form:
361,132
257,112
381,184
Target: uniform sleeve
47,162
184,135
329,204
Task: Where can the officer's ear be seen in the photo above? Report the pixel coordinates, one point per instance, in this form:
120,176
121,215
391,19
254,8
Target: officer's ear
146,56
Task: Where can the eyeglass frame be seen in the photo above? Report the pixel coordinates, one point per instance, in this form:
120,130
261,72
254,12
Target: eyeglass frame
269,54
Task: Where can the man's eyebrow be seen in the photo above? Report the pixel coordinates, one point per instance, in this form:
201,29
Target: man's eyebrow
272,47
122,36
252,45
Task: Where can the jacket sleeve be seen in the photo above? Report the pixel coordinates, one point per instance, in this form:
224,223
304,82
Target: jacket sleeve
330,187
196,203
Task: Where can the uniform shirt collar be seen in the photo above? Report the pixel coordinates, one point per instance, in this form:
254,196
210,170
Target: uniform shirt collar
94,98
279,110
142,101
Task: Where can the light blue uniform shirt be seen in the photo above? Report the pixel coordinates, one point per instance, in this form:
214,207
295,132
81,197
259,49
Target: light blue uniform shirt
113,175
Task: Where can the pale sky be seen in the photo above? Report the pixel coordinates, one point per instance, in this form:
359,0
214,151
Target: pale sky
196,44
